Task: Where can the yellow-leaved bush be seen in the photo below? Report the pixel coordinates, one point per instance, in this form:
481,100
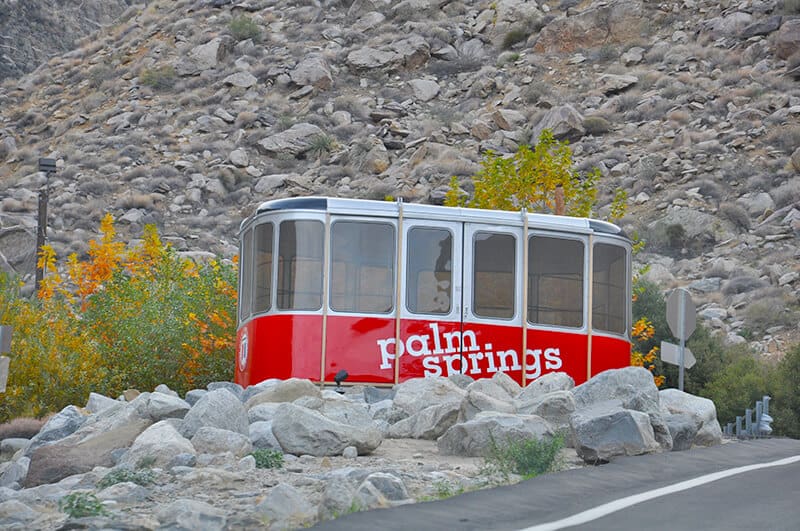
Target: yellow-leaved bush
123,317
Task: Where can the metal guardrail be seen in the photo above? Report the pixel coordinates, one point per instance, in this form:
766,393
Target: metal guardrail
753,428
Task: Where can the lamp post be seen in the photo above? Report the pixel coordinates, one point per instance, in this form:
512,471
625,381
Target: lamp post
47,166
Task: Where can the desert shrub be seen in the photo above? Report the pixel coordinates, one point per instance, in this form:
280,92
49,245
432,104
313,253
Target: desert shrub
785,407
786,194
159,78
243,28
80,504
737,386
514,36
736,214
321,144
786,138
266,458
791,7
143,476
525,457
535,91
741,284
768,311
596,125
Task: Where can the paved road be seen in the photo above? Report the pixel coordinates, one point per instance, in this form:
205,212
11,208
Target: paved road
757,497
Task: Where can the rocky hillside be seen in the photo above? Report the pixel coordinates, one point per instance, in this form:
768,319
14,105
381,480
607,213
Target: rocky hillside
32,31
188,113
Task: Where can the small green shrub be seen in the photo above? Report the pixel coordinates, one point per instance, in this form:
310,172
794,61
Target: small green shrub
244,27
736,214
596,125
140,477
676,235
266,458
321,144
160,78
514,36
527,457
80,504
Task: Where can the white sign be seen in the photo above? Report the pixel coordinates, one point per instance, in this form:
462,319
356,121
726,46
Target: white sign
3,373
672,354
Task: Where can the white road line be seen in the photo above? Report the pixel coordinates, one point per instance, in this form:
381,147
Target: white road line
623,503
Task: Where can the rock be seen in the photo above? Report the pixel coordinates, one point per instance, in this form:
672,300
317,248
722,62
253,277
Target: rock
300,430
474,437
376,160
564,121
632,386
477,401
787,40
633,56
608,23
285,507
552,381
611,84
702,409
683,427
204,57
762,27
185,514
265,411
312,71
60,425
606,430
218,409
125,492
294,141
16,515
241,80
261,435
238,157
424,89
380,490
233,387
13,473
511,387
98,402
414,51
284,391
162,406
416,394
158,445
555,407
430,423
211,440
11,445
76,454
731,25
371,58
661,431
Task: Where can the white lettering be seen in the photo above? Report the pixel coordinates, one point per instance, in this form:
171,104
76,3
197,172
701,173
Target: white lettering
490,358
504,355
449,360
437,341
462,337
475,357
431,366
552,357
386,356
534,370
423,344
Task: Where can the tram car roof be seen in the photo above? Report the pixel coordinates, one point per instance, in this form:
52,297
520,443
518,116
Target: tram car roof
391,209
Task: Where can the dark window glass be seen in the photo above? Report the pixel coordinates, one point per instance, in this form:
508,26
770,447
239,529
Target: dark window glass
493,278
263,266
245,275
300,249
429,271
609,289
555,281
362,267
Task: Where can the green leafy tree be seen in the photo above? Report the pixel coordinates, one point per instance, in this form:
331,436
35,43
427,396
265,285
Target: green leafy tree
785,406
738,386
535,178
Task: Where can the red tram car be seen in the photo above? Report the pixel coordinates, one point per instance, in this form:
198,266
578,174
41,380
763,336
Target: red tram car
391,291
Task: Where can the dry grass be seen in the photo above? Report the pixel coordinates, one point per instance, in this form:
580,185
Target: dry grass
23,428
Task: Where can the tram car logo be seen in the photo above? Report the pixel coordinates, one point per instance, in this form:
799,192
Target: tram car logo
243,351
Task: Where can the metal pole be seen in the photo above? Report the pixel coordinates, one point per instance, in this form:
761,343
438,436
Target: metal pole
681,330
748,421
739,427
41,231
759,412
524,296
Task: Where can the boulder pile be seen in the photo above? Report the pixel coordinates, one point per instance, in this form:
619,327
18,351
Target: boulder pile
199,447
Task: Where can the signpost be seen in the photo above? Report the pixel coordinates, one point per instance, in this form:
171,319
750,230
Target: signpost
682,320
5,346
